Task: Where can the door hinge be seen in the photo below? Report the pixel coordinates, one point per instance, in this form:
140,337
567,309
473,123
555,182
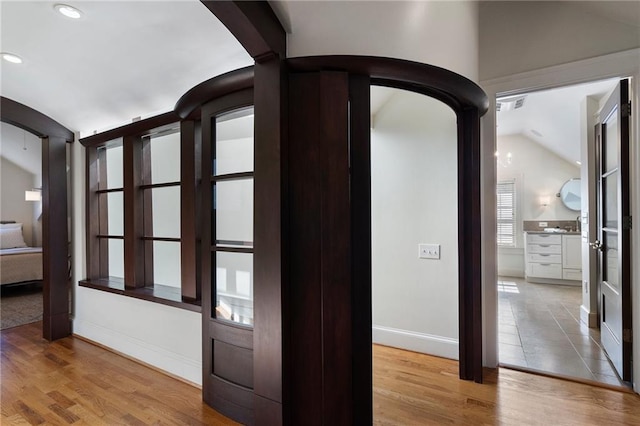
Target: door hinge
626,223
626,335
625,109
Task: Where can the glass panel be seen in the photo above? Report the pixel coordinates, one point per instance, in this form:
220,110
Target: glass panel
234,287
610,266
610,200
611,141
116,258
166,211
234,211
110,174
165,158
234,142
112,204
166,263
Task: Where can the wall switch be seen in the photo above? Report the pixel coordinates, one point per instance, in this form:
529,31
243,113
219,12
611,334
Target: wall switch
429,251
542,224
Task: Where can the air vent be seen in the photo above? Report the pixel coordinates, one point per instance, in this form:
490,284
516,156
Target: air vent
508,104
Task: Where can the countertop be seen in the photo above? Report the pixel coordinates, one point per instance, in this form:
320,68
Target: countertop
554,233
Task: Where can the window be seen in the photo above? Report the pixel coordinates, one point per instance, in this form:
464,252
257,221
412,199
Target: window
506,213
136,212
232,210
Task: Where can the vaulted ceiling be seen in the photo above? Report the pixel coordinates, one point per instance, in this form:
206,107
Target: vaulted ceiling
121,60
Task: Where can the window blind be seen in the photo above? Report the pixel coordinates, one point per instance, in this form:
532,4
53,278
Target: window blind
506,213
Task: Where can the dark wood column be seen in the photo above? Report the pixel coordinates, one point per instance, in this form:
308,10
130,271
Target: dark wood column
469,245
133,212
320,358
55,235
270,271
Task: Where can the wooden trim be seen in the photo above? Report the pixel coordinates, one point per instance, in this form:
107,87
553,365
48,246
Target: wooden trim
106,191
447,86
232,250
215,88
232,176
159,185
469,246
55,251
156,294
361,315
92,211
166,239
55,236
190,175
32,121
138,129
253,24
134,270
112,237
147,211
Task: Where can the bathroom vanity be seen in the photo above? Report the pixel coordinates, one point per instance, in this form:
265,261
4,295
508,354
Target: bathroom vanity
553,258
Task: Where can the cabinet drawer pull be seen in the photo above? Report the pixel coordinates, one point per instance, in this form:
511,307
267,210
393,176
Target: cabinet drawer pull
543,254
545,264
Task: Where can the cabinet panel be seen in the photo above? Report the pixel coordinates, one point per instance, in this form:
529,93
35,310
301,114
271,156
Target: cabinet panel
572,251
546,270
544,258
544,248
544,239
572,274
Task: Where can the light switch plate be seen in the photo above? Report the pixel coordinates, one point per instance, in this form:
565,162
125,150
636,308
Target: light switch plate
429,251
542,224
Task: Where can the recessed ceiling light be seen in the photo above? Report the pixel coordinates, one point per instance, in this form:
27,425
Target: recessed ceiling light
68,11
10,57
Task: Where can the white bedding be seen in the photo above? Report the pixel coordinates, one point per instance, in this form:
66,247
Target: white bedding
20,264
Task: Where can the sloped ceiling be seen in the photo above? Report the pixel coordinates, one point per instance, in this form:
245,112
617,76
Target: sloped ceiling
552,117
121,60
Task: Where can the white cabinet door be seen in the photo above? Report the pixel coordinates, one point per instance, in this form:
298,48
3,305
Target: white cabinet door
571,252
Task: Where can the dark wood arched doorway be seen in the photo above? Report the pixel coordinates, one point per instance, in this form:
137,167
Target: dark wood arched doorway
55,234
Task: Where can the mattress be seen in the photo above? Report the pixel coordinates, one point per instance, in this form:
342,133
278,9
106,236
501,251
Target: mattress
20,264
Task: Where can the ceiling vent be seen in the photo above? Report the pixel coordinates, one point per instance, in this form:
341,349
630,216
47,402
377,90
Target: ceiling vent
508,104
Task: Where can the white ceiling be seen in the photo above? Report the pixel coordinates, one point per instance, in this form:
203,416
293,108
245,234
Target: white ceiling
555,115
122,60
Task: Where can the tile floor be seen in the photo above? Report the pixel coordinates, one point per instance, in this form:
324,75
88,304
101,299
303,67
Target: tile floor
539,328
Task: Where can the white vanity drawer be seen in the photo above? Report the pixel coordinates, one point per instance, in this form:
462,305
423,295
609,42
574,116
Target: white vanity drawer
544,248
544,258
572,274
545,270
544,239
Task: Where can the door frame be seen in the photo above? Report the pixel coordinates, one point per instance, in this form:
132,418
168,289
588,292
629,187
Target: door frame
616,65
55,235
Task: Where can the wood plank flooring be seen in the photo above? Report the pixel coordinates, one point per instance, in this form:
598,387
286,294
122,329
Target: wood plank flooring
74,382
71,381
417,389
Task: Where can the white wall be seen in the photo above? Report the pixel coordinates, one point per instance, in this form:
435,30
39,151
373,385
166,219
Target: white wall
518,36
414,200
421,31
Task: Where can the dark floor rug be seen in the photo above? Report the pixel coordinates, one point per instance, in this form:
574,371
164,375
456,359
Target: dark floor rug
20,305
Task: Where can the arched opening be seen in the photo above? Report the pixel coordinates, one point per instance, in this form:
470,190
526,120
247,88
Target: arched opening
55,237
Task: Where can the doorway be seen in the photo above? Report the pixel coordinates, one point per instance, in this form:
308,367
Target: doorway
546,192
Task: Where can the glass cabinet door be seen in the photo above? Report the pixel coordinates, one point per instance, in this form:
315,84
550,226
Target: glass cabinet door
232,216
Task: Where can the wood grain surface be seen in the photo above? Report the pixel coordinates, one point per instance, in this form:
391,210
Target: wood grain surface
71,381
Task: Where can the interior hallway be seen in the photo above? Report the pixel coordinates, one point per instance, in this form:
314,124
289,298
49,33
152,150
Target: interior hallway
540,328
72,381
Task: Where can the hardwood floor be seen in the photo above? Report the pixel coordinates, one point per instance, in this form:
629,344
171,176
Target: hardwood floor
417,389
72,381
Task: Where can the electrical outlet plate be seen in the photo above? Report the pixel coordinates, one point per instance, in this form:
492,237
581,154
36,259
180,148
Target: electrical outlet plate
429,251
542,224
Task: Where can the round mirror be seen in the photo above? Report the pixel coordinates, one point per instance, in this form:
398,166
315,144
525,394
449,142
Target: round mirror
570,194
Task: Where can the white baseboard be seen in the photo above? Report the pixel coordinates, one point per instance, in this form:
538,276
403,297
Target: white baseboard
589,318
171,362
445,347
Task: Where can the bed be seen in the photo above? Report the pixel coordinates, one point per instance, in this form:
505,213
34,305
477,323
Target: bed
19,264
